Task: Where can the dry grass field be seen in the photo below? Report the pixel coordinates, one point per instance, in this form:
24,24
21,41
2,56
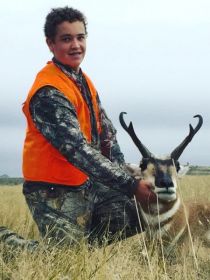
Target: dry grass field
126,259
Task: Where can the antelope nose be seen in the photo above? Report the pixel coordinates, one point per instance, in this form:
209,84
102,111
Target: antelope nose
164,182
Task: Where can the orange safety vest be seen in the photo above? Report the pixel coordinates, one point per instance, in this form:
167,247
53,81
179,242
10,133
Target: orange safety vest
41,161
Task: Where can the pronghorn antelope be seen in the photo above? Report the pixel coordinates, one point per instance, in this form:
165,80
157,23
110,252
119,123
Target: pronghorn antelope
168,218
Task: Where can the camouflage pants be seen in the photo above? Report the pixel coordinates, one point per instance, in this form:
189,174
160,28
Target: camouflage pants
16,242
94,213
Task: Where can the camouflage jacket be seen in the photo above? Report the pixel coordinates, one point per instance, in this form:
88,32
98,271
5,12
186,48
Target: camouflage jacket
55,117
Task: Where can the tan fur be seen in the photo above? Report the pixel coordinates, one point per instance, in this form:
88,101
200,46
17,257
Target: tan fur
134,170
190,219
172,221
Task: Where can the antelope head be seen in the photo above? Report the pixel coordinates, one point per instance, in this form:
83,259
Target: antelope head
161,173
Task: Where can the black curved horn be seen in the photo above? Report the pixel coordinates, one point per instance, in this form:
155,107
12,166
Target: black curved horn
178,151
130,130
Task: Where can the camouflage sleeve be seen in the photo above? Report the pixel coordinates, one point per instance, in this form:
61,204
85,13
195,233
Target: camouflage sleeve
109,145
56,118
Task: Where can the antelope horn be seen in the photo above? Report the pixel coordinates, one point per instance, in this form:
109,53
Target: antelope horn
178,151
130,130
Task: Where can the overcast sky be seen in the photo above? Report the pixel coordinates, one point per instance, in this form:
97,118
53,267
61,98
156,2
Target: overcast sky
150,58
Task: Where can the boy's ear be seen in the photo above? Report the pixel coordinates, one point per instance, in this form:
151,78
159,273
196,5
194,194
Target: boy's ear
50,44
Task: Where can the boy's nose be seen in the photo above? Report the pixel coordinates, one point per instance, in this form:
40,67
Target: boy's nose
75,43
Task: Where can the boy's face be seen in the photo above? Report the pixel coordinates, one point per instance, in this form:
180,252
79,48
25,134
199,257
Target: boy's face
69,44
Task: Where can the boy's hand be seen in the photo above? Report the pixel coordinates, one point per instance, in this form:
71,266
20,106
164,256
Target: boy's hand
144,193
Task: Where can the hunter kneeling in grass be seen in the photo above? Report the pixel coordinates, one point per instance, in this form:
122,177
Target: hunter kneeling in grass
76,184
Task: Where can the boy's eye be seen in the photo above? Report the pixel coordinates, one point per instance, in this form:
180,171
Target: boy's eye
66,39
80,37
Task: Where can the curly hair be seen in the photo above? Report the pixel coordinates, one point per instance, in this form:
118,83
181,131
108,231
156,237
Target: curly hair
59,15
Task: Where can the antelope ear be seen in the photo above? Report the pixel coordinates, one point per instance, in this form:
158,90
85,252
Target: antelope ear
134,170
183,171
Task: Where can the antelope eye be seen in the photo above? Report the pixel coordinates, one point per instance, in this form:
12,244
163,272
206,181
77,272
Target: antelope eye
153,171
177,166
143,165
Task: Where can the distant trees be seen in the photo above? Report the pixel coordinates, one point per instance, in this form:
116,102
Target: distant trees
9,181
198,170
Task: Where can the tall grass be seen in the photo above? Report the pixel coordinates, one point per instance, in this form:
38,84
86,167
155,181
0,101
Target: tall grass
123,260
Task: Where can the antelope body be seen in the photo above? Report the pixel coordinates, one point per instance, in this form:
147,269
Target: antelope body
168,218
